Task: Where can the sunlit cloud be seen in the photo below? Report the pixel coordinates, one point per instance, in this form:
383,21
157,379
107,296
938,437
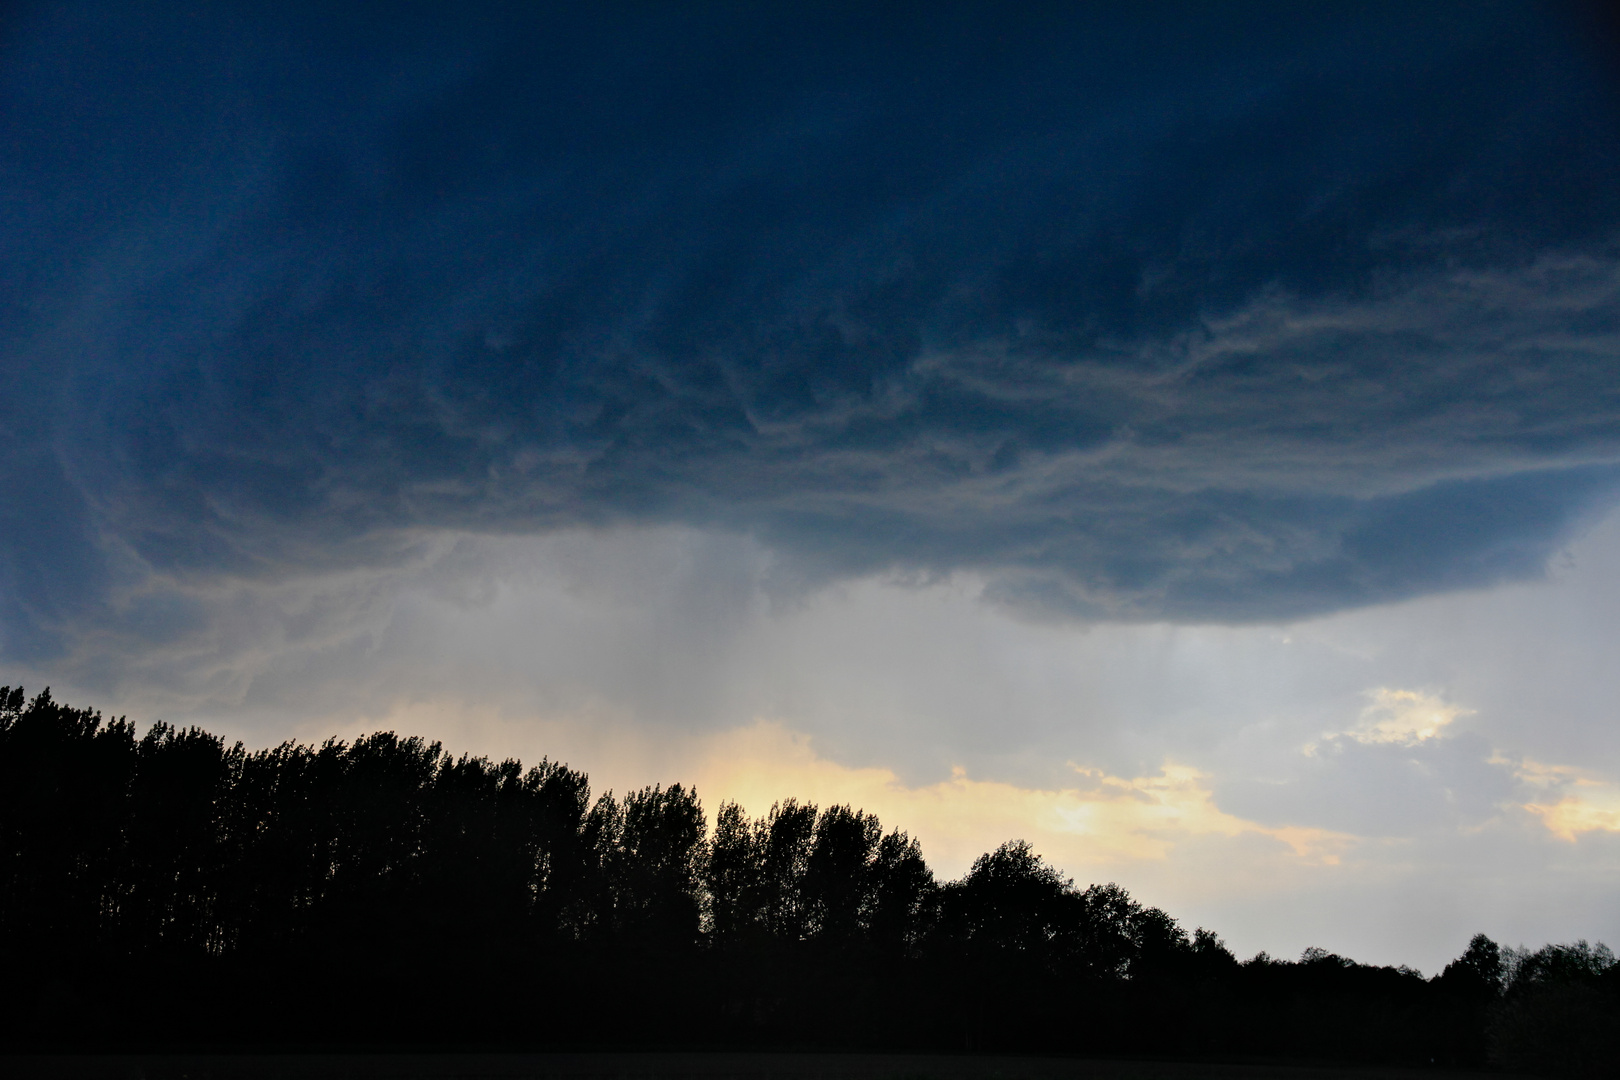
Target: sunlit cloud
1568,800
1572,801
1103,821
1403,718
1598,810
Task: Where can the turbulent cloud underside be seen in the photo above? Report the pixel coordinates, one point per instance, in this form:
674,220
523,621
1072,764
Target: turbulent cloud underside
1267,315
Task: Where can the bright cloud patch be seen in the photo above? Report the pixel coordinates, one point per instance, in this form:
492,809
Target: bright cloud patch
1572,801
1150,810
1569,801
1404,718
1102,821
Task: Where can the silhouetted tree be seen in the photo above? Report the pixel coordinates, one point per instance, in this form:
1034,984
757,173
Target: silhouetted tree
836,889
1478,972
65,777
1012,902
383,891
1208,956
1113,928
656,865
1560,1013
174,847
785,839
733,879
902,896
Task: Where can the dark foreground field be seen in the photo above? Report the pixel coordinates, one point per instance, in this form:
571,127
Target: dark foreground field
695,1066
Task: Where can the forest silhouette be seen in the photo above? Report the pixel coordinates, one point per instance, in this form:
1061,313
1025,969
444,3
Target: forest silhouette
168,890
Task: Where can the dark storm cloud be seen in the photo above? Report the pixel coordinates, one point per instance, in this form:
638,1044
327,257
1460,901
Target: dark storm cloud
1230,316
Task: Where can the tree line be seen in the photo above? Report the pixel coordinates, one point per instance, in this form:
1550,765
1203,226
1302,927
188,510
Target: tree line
168,889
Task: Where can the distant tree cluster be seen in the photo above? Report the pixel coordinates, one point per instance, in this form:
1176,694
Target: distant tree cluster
168,889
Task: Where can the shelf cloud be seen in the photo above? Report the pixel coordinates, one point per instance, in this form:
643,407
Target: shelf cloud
1045,310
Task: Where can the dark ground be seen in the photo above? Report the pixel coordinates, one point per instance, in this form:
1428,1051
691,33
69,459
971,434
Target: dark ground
645,1066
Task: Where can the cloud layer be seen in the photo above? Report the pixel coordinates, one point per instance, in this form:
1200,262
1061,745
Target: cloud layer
1208,317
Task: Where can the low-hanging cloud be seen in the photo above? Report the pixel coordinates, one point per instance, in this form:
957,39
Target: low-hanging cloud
1051,311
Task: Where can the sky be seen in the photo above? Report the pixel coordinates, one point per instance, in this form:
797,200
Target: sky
1186,438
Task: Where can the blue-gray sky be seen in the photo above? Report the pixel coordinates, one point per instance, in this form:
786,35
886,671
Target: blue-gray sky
1132,397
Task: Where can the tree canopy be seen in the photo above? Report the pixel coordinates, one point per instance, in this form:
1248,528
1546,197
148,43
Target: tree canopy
386,892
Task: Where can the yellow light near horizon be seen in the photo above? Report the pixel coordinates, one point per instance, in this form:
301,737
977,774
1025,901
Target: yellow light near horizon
1146,827
1101,821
